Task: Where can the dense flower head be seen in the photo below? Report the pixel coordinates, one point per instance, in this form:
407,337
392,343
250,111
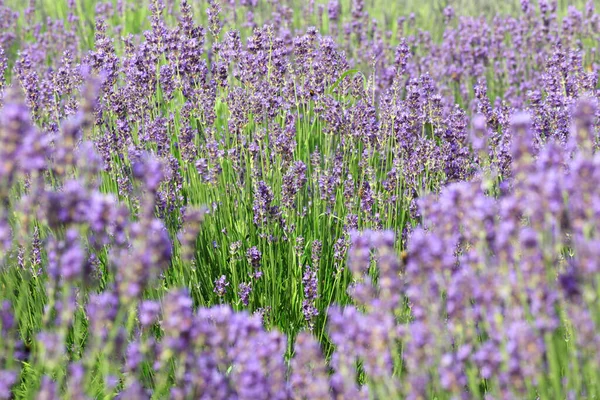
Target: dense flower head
221,286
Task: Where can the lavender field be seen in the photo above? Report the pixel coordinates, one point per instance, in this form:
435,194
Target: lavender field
330,199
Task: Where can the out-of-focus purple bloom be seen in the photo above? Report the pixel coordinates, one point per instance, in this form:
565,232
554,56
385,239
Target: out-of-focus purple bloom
177,323
53,347
148,313
6,317
8,379
147,169
101,312
48,389
309,377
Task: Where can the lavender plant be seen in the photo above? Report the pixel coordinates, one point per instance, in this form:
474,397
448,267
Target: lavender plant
289,199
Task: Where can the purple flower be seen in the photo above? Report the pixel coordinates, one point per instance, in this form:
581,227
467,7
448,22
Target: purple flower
147,169
213,12
244,290
101,311
148,313
263,208
7,318
53,347
254,256
309,372
72,258
177,323
293,181
48,389
221,286
310,283
8,379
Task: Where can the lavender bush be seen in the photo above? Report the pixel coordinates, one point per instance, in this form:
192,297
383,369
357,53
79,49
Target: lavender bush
284,199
